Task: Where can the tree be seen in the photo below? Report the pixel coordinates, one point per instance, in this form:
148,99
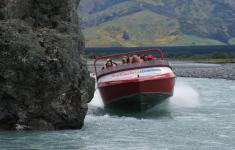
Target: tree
125,36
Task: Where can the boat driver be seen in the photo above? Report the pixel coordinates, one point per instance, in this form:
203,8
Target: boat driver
109,63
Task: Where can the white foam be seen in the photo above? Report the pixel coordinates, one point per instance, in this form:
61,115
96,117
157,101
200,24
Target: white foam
97,100
184,96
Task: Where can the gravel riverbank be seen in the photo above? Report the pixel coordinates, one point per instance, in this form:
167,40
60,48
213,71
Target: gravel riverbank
205,70
199,70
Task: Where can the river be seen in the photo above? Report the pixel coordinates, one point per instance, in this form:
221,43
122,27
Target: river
200,115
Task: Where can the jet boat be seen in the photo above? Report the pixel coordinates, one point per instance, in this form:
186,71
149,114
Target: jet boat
135,86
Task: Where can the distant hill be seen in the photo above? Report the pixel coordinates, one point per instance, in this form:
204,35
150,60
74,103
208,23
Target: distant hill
158,22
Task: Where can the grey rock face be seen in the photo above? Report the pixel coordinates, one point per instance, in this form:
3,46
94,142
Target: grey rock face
44,81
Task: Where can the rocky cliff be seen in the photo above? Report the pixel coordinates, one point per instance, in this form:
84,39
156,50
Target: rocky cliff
44,82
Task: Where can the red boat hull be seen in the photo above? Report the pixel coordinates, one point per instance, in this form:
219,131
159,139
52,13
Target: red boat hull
137,94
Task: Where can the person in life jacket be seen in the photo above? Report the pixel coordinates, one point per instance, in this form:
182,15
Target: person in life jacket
129,59
135,59
150,57
143,58
109,63
124,60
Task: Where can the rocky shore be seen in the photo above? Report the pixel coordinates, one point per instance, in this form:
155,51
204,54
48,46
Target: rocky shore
44,81
199,69
205,70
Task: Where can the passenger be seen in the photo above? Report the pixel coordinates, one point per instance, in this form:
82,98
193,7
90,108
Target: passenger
142,58
124,60
150,57
145,58
136,59
114,64
129,59
109,63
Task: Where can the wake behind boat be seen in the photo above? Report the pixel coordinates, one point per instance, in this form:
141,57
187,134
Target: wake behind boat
135,86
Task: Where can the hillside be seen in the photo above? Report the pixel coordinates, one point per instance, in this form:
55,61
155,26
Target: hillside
157,22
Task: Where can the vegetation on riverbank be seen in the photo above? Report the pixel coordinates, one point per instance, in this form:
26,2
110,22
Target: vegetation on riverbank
157,22
205,53
207,58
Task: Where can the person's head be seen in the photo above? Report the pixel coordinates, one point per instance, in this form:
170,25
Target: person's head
109,62
150,57
129,59
145,58
124,59
135,59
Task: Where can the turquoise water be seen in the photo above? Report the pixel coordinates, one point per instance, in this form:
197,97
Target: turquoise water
201,115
